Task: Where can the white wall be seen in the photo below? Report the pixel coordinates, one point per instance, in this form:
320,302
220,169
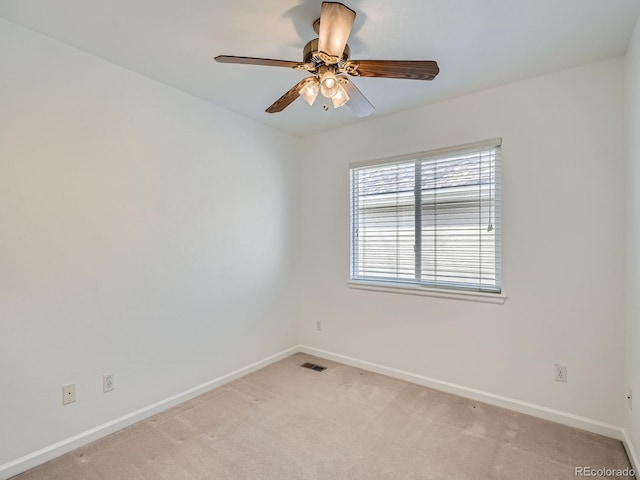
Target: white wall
144,232
632,418
563,162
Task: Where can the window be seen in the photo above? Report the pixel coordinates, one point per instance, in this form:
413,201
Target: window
432,220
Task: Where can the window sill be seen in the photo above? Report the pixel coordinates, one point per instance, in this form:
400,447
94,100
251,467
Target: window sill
481,297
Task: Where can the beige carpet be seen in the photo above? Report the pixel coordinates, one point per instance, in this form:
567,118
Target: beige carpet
287,422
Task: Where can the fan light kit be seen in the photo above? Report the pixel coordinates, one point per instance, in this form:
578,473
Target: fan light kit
326,58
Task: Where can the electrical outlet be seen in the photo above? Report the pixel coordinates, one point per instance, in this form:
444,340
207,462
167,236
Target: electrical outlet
319,325
68,394
561,373
630,399
108,382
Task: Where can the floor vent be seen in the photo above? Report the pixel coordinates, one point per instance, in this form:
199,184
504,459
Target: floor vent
313,366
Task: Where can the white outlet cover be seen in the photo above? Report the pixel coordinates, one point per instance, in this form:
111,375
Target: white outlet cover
68,394
108,382
560,373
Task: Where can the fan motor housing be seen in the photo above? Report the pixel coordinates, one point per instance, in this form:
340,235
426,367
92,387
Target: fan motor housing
310,53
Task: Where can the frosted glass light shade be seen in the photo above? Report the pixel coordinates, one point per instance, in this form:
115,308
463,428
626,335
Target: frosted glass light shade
329,85
310,91
340,98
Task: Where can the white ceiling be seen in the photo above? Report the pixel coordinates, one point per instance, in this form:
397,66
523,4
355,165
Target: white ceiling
477,43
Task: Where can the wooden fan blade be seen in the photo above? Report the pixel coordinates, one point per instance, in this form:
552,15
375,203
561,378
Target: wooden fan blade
409,69
336,21
267,62
358,103
288,98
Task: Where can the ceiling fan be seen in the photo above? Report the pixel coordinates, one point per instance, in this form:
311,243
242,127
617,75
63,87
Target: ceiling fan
327,59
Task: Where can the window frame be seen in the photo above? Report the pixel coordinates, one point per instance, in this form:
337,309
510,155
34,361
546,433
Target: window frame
419,288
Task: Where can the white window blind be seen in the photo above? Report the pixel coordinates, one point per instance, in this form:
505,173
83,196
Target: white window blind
433,220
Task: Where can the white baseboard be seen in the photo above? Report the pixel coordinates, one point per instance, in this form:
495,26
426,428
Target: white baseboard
631,452
539,411
43,455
